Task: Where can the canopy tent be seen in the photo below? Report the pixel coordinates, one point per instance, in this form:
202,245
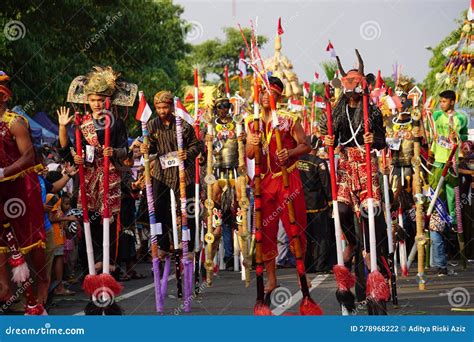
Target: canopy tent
39,134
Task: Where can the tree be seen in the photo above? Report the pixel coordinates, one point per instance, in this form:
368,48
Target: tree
144,41
212,55
438,60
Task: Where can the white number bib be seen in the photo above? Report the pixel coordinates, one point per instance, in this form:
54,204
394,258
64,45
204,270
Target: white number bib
394,143
169,160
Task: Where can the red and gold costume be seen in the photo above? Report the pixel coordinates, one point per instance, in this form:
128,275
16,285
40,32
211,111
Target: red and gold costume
274,196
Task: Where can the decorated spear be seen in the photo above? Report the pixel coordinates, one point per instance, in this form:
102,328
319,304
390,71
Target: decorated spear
243,233
186,236
260,309
377,290
344,278
209,237
197,240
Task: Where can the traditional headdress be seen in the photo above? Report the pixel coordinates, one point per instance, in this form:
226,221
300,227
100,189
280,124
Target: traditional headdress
102,81
220,95
163,96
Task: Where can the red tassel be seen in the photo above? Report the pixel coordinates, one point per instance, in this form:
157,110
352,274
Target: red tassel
109,282
309,308
377,287
344,278
261,309
91,284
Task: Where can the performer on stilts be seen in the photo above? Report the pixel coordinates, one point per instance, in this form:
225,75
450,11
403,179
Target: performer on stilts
101,146
225,154
165,174
21,213
281,192
352,177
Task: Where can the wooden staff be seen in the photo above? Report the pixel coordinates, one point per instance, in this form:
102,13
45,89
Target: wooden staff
209,237
197,211
260,308
243,233
344,278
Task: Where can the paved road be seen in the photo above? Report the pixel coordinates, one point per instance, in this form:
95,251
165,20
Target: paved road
228,295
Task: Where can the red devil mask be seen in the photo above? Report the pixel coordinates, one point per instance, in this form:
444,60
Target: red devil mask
352,80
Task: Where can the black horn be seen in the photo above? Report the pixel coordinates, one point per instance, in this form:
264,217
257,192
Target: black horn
361,62
339,65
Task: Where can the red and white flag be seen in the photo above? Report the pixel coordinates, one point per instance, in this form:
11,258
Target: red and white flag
242,65
319,102
331,50
181,111
306,89
144,111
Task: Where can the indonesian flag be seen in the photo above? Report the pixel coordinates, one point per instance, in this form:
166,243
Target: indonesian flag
319,102
280,28
295,105
181,111
306,89
330,49
242,65
144,111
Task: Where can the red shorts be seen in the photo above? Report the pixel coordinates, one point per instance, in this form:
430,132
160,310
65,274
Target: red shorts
275,208
352,179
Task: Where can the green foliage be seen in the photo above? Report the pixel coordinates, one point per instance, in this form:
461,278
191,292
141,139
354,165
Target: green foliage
145,41
212,55
329,68
438,60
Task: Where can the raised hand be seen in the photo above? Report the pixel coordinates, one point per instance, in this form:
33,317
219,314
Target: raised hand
63,116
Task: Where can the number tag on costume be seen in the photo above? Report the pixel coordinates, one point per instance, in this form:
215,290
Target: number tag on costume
169,160
444,142
394,143
89,153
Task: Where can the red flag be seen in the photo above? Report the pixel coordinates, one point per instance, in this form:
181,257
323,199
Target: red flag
330,49
280,28
316,76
